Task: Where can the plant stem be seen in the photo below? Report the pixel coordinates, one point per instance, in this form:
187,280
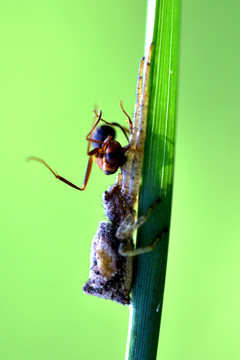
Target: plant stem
157,181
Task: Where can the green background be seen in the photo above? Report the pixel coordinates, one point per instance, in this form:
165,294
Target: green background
58,60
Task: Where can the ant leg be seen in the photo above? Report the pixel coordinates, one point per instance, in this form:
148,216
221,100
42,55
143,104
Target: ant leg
129,119
88,137
126,250
85,181
128,225
95,125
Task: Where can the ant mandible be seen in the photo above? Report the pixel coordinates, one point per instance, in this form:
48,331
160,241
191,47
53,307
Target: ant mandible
109,154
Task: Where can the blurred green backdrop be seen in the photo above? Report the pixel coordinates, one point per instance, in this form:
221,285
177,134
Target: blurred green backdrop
58,60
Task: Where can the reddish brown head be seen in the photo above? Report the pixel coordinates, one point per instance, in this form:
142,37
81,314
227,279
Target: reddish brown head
114,157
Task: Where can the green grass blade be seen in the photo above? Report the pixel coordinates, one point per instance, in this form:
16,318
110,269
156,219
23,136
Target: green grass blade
157,180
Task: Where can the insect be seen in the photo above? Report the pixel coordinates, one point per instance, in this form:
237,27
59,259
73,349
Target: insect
112,250
109,153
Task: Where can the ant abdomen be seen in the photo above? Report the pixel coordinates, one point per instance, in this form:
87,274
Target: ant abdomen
101,133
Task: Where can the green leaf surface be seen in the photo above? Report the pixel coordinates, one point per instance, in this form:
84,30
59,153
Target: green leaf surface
157,181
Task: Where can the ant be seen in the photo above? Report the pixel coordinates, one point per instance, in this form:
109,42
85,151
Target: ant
109,153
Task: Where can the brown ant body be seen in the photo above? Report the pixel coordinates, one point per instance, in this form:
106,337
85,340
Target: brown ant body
109,153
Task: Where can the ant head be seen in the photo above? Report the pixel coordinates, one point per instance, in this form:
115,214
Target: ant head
114,158
101,133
